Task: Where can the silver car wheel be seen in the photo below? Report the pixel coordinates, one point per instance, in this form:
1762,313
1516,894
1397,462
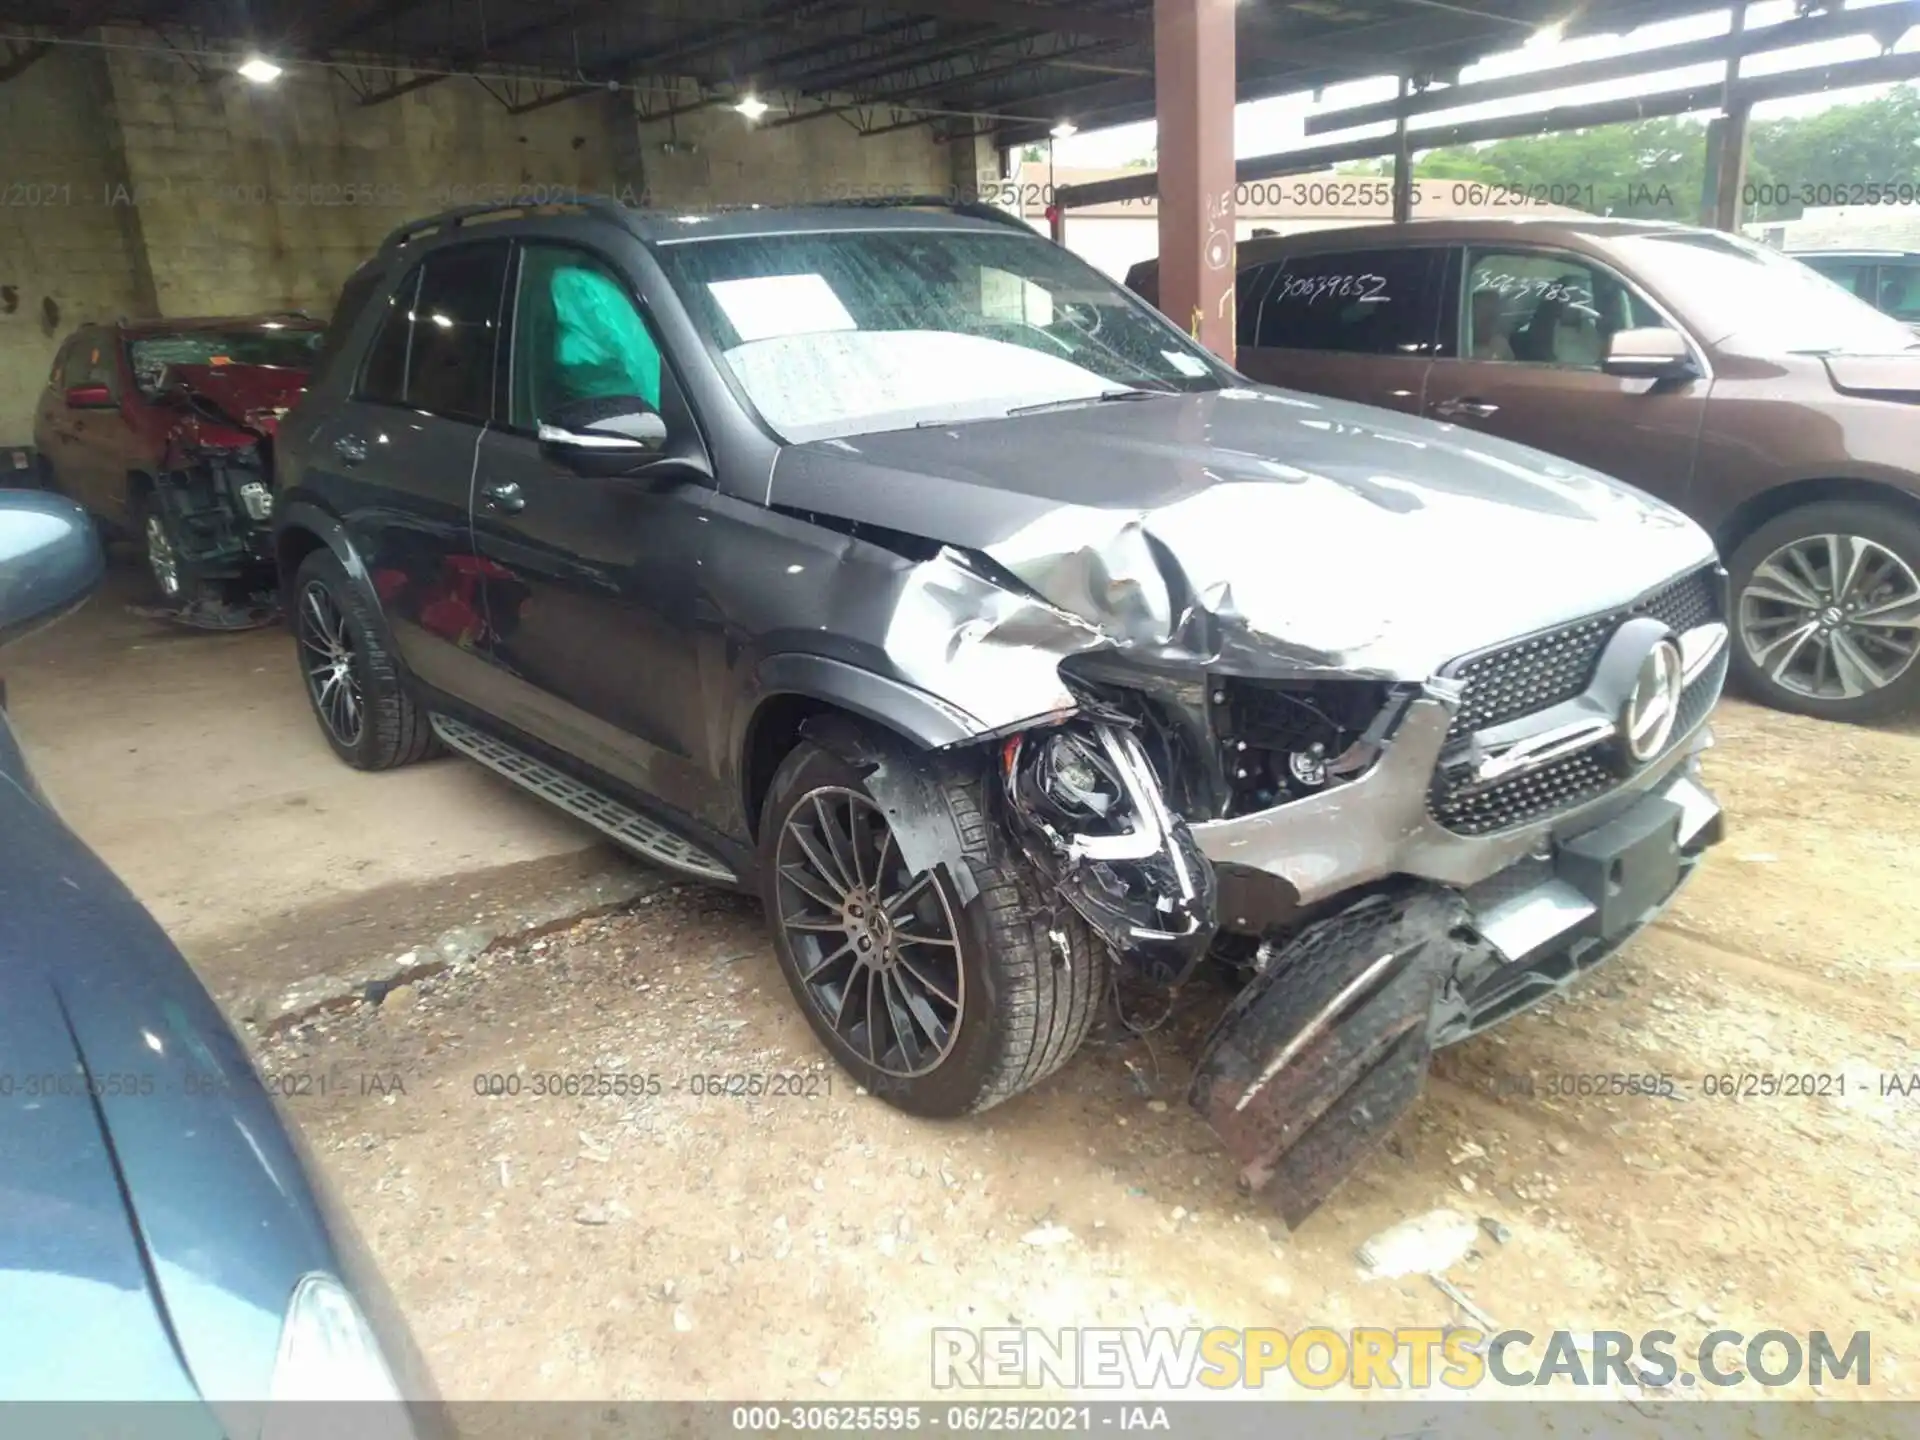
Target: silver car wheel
327,655
1831,617
162,559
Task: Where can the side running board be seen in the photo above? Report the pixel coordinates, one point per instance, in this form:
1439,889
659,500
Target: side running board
620,823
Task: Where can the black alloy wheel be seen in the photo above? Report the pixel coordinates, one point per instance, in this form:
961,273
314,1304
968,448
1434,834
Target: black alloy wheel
877,946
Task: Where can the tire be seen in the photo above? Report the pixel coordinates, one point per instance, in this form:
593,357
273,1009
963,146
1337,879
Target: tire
1025,999
1813,677
169,578
393,729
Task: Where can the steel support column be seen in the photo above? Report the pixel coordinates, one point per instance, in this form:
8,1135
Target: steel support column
1193,100
1402,163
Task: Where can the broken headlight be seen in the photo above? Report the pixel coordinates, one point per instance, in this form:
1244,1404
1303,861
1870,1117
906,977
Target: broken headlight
1090,814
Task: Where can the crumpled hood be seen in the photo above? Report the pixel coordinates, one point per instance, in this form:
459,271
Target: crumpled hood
255,395
1263,530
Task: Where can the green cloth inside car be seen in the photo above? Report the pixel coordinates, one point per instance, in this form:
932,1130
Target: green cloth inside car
600,343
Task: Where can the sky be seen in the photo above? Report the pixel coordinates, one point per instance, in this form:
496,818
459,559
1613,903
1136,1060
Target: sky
1263,127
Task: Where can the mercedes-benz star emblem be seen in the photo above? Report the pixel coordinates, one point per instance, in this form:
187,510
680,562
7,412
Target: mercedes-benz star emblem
1647,719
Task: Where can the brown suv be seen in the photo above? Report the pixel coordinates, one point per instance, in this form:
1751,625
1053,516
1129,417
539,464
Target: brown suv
1765,401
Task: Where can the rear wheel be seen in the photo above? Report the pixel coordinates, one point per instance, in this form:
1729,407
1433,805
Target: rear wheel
356,690
1826,611
937,1006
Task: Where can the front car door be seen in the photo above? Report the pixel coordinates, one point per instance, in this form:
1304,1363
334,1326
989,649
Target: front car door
1525,345
594,581
1357,324
398,455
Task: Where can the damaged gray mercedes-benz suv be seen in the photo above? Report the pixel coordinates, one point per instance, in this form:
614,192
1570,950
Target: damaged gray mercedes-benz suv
894,564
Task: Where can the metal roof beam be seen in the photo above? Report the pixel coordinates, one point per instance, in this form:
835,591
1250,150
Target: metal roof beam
1079,19
1831,25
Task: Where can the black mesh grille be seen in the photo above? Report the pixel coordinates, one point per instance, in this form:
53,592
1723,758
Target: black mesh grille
1541,671
1563,784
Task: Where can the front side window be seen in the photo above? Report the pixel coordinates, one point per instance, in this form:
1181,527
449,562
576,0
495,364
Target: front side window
1546,309
1354,302
841,333
435,348
1899,291
577,336
268,343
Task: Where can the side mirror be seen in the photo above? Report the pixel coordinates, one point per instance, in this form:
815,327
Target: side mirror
608,425
89,397
50,560
1652,353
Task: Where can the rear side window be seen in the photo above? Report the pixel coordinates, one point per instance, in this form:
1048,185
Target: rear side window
1356,302
435,349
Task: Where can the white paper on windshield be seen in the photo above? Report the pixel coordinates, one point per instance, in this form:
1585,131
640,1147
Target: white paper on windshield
1185,364
768,306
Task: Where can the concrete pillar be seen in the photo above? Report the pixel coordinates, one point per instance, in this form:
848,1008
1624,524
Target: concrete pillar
1193,65
1731,167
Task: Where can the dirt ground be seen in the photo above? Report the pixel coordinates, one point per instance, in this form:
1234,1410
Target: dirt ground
803,1246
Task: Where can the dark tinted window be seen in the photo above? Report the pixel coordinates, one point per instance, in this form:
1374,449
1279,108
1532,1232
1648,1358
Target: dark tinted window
456,321
435,349
1364,302
385,376
1249,289
354,296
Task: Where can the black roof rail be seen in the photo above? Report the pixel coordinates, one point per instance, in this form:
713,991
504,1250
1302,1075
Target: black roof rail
972,209
461,214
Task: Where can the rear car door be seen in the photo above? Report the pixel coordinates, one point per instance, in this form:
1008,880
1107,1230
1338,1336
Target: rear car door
1357,324
398,456
1525,344
594,580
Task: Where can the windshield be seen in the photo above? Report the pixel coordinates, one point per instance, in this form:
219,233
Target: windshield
845,333
1770,301
258,345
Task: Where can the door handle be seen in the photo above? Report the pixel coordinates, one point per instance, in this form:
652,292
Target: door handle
504,497
351,449
1465,407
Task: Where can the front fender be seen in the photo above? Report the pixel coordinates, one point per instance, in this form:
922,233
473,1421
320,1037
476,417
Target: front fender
928,721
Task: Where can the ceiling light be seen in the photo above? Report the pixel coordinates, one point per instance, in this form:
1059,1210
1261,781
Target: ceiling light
1064,129
753,107
260,70
1548,34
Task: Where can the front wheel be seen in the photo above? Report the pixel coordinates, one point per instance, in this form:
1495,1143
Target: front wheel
938,1006
1826,611
172,577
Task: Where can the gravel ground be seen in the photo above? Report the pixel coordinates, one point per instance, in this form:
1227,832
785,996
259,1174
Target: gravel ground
801,1245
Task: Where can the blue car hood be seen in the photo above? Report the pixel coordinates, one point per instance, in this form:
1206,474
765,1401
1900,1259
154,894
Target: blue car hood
78,1312
154,1210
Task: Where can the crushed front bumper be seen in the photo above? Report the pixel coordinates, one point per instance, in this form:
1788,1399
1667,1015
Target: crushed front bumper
1313,1063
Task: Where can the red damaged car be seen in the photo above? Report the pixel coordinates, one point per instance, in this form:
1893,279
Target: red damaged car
163,430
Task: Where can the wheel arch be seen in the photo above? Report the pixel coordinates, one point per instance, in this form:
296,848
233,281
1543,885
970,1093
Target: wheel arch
302,528
1770,504
793,690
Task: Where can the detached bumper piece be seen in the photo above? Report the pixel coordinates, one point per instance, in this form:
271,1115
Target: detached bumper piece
1314,1062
